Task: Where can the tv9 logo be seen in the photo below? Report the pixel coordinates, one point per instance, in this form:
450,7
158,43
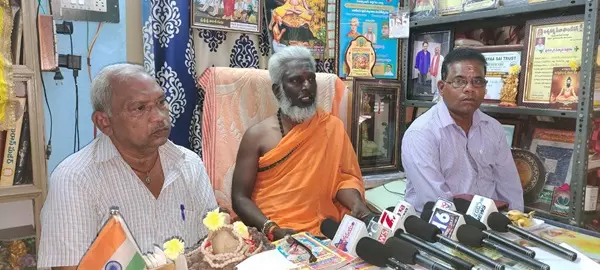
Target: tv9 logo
445,220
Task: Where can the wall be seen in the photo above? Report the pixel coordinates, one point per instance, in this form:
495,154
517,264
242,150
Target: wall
109,48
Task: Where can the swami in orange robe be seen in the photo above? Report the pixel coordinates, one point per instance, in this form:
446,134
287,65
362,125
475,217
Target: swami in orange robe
297,181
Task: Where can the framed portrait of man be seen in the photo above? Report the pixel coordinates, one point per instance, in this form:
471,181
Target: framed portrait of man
427,51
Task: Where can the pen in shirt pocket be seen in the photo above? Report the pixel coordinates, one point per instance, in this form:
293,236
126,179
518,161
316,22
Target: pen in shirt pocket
182,212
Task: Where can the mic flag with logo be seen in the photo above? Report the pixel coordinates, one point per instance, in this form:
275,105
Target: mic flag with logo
113,249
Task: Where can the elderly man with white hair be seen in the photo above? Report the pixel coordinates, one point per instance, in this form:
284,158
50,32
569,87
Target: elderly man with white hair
298,167
161,189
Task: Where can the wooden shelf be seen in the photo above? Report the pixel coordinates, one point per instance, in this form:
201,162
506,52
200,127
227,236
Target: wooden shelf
19,193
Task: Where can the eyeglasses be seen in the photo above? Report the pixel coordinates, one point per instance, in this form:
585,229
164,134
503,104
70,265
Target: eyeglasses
460,83
293,242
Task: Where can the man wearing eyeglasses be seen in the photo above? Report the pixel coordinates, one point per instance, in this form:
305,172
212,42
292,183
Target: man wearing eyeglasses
454,148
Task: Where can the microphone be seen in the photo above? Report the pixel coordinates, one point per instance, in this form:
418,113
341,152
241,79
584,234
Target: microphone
481,208
432,234
344,236
374,253
474,237
457,262
426,215
497,238
406,253
447,221
500,223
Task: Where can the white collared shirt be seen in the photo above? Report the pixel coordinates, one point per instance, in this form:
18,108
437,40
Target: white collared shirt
88,183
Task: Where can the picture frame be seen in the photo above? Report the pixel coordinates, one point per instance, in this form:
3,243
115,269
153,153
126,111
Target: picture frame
514,131
555,148
376,122
315,31
360,58
243,16
548,44
423,87
499,60
355,18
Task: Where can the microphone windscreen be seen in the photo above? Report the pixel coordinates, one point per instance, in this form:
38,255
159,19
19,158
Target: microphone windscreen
461,205
475,223
498,222
469,235
329,227
420,228
401,250
372,252
370,217
427,211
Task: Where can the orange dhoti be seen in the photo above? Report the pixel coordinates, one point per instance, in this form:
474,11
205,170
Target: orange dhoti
298,180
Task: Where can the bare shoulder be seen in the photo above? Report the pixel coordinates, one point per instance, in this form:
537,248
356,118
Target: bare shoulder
257,131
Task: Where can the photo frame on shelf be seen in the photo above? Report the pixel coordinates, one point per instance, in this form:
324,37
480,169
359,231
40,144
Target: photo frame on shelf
549,43
376,123
513,130
555,148
499,60
425,63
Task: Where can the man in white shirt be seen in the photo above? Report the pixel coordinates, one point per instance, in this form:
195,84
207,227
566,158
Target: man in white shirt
161,189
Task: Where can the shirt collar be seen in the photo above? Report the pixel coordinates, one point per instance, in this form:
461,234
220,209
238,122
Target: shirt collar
106,150
447,120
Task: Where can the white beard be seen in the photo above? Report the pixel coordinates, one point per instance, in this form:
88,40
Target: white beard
295,113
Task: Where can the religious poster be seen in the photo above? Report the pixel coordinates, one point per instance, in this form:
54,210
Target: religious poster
360,57
227,15
564,88
299,23
554,42
371,20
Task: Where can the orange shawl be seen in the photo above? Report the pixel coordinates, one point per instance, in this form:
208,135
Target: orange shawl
298,180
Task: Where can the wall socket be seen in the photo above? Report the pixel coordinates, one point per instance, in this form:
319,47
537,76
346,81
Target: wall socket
90,5
86,10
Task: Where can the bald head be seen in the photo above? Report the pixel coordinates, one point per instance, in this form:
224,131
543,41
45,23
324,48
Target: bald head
108,80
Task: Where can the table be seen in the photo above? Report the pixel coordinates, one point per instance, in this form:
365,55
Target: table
584,241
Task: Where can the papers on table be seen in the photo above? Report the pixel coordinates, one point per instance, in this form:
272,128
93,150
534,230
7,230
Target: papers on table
582,263
268,260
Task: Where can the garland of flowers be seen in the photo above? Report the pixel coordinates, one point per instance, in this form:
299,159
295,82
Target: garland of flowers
215,222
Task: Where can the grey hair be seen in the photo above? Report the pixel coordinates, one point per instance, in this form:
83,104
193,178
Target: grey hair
101,88
278,61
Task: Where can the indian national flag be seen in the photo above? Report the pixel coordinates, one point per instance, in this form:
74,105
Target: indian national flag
113,249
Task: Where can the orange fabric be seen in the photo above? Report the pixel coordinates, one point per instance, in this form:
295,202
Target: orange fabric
299,192
237,98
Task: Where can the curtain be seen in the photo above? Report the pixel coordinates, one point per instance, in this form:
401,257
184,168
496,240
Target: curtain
169,56
173,52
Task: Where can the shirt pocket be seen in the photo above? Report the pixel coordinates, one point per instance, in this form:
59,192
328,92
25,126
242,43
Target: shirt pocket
488,167
191,227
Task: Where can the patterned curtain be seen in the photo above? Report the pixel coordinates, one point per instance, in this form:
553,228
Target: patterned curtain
169,56
173,53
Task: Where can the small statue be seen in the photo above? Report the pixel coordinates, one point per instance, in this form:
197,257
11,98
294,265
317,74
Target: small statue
521,219
510,84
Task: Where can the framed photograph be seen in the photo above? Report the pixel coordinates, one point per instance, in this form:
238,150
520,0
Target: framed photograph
550,43
512,129
227,15
376,124
306,24
427,51
555,148
499,60
369,19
